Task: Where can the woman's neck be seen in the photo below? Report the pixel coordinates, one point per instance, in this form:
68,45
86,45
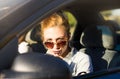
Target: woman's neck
67,51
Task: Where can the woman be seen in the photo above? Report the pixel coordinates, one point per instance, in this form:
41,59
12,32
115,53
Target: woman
55,33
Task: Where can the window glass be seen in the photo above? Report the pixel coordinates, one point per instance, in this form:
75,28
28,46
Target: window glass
113,15
8,6
72,21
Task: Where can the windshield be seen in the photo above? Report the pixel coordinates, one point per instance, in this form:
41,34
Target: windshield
8,6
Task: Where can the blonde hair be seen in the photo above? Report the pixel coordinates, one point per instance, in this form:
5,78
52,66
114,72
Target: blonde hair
55,20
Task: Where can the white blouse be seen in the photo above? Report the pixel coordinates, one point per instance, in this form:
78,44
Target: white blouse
79,62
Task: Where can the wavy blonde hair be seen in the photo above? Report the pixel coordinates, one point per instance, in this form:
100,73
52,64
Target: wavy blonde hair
55,20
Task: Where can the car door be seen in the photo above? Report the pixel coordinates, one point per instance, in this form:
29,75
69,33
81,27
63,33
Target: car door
17,17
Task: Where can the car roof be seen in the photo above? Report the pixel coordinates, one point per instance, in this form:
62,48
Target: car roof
96,4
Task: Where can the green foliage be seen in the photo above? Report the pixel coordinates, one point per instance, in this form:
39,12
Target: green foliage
71,19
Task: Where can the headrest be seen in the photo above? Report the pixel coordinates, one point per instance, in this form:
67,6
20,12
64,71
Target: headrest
98,36
33,35
38,66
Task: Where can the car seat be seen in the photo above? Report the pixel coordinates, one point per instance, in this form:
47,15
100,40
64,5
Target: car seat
37,66
99,42
34,40
116,28
116,59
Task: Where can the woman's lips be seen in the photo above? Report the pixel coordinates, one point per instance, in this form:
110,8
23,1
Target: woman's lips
57,52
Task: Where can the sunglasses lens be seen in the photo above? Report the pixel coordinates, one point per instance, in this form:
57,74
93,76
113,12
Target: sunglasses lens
49,44
59,44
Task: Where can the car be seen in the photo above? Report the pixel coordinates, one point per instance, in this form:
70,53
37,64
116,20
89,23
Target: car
95,31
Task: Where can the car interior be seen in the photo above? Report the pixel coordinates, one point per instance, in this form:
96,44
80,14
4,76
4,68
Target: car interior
99,40
94,34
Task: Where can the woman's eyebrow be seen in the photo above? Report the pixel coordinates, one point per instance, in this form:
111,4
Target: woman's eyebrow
49,39
60,38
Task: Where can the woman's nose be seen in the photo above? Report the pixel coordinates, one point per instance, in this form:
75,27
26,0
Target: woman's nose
56,46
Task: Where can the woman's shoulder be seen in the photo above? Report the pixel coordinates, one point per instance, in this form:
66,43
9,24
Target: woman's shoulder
80,55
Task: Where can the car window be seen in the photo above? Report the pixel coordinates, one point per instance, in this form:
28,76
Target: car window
72,21
34,40
112,15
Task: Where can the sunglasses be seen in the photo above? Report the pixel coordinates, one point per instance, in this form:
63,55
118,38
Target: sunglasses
59,44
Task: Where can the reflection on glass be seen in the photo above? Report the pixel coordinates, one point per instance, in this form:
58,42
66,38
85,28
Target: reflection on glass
8,6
